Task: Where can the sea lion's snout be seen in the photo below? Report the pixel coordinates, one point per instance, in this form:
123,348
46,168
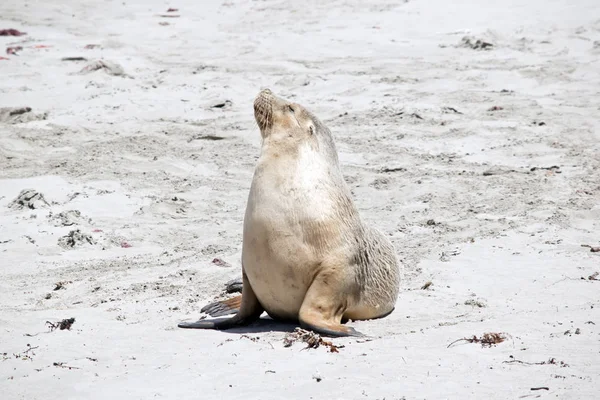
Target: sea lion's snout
263,109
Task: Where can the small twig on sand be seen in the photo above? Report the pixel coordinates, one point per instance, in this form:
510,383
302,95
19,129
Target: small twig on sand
313,340
488,339
62,365
540,388
551,361
29,348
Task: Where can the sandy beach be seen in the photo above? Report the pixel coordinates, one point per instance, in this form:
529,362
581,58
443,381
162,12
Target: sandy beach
468,132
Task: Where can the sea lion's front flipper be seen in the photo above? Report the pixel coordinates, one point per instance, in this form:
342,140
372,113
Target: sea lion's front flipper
249,311
325,303
223,307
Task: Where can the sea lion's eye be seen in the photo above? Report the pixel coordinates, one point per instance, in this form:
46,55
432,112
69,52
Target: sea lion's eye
311,129
291,108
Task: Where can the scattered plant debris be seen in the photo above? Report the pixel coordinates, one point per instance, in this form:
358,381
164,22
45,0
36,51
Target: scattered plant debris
221,263
91,46
11,32
495,108
24,355
62,365
14,50
313,340
426,285
205,137
62,325
392,169
254,339
568,332
554,167
593,249
173,10
540,388
497,171
451,109
551,361
223,104
74,59
488,339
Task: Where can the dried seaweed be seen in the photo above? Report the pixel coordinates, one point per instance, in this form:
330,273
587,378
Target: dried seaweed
313,340
62,325
488,339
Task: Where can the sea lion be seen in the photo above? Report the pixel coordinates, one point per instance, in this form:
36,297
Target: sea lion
307,256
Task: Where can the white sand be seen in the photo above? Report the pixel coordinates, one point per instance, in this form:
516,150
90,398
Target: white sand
120,149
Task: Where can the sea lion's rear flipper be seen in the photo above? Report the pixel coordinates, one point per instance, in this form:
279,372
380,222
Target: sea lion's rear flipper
249,311
325,303
223,307
227,323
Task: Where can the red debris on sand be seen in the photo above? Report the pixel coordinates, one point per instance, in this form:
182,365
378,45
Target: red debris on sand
4,58
41,46
13,50
221,263
97,230
173,10
11,32
125,245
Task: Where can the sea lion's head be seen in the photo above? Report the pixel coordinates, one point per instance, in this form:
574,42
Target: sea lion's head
290,126
277,117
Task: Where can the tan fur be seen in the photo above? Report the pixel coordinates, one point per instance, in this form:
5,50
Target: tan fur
306,254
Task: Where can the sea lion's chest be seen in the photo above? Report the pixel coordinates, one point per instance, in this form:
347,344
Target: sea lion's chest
292,190
289,210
